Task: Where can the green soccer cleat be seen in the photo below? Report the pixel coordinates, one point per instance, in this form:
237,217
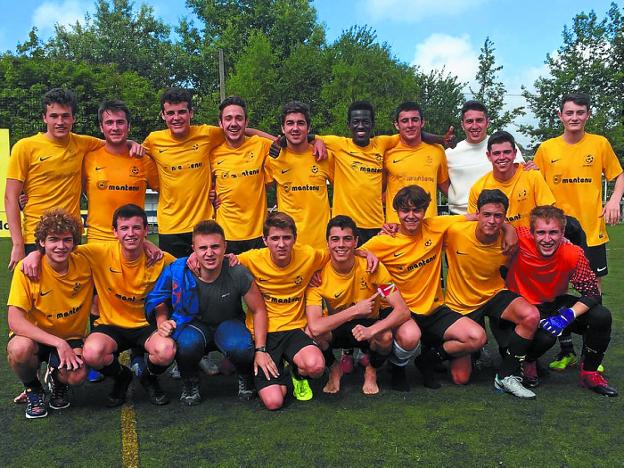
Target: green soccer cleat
301,389
563,361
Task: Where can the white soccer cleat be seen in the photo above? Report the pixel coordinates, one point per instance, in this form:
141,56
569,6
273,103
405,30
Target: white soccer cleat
513,384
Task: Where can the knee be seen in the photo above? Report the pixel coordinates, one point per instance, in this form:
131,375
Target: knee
476,338
408,335
383,341
162,351
313,364
272,400
20,350
93,353
600,318
530,318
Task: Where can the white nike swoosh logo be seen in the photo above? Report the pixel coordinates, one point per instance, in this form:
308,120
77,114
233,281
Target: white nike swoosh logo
601,269
225,295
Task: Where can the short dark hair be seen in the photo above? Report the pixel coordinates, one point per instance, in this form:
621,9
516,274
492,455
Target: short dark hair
342,222
412,196
113,105
499,137
176,96
361,105
208,227
279,220
232,101
57,221
129,211
408,106
473,106
64,97
547,212
578,98
296,107
492,196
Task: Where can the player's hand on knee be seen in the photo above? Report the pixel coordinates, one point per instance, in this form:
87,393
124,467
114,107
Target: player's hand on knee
262,360
68,358
166,328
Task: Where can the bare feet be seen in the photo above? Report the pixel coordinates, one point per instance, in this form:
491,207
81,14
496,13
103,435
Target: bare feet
335,374
370,386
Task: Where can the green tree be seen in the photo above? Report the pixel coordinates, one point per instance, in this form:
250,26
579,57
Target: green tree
441,98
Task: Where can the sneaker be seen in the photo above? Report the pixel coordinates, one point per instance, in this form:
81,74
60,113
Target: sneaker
95,376
399,379
428,373
485,360
36,406
595,381
529,374
58,393
138,366
563,361
512,384
301,389
117,396
190,391
174,373
207,365
247,389
156,395
346,363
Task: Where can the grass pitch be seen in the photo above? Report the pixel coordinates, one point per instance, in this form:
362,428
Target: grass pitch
453,426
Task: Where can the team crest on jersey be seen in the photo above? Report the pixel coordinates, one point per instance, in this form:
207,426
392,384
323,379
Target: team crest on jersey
250,155
76,289
134,171
378,157
428,243
429,159
298,280
225,174
589,160
315,169
522,195
102,184
363,284
195,147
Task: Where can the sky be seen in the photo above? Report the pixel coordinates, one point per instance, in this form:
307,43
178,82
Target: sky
428,33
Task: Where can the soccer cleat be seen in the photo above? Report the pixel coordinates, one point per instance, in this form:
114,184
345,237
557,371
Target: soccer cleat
207,365
156,395
595,381
117,396
512,384
301,389
399,378
138,366
529,374
346,363
190,391
428,373
246,387
36,406
563,361
58,393
95,376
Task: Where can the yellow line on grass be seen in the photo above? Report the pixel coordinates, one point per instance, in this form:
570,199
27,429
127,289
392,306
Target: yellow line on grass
129,438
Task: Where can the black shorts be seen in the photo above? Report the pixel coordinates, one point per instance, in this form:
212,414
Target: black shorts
366,234
49,354
494,307
434,326
178,245
29,248
238,247
282,346
126,338
597,256
342,336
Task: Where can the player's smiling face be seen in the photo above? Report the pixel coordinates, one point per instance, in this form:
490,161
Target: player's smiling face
295,128
233,122
115,127
548,234
361,126
475,124
59,120
131,233
280,243
409,125
57,247
502,156
210,250
490,219
178,118
574,117
341,243
410,218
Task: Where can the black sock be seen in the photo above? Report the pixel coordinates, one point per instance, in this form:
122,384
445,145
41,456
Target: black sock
328,354
567,346
592,359
113,369
295,372
377,360
155,369
33,384
514,355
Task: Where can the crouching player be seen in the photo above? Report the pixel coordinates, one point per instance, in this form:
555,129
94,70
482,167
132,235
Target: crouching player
541,271
351,295
204,313
48,317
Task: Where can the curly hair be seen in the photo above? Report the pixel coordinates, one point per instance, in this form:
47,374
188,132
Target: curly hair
57,221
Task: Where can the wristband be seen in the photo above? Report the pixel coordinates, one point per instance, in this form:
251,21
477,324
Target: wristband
261,349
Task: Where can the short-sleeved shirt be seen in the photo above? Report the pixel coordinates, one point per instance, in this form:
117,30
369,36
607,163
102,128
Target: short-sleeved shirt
341,291
302,193
240,178
51,174
184,175
283,289
56,303
525,190
415,262
423,165
358,178
221,300
574,175
121,284
114,180
473,268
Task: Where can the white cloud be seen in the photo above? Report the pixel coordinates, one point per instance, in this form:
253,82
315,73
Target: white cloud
411,11
455,53
50,13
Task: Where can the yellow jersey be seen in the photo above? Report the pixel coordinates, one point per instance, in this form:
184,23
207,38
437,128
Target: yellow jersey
525,190
240,180
473,268
111,181
121,284
574,174
58,304
302,193
358,176
283,289
415,262
424,165
184,175
51,173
